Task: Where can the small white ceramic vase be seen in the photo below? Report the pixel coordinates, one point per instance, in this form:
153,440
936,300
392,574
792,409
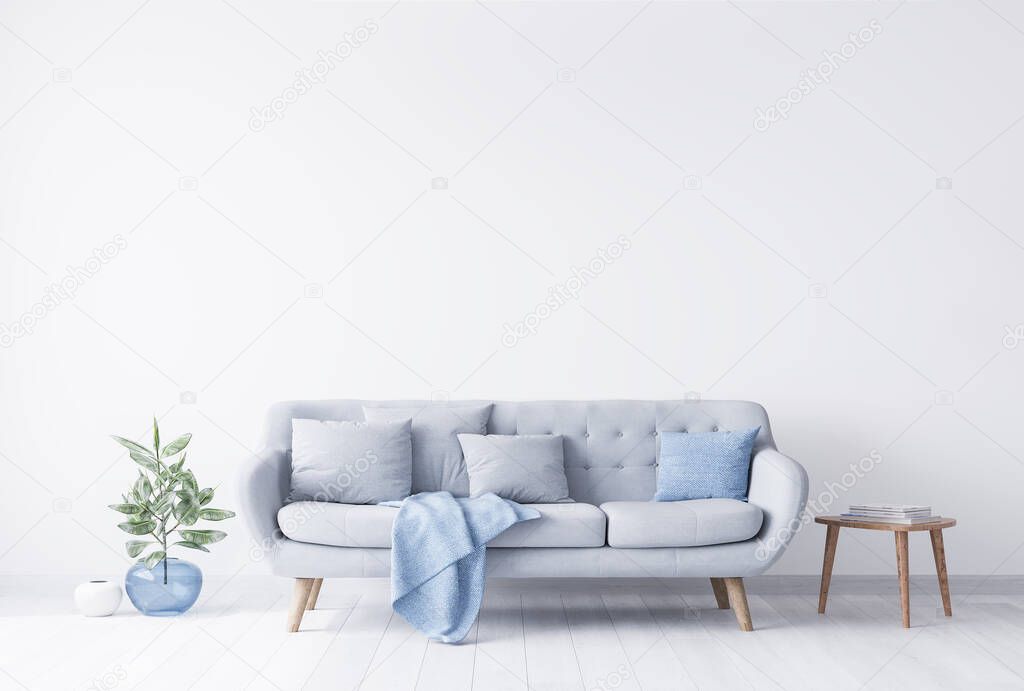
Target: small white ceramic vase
98,598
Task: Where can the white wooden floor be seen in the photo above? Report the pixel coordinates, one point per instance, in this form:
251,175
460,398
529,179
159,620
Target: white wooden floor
576,635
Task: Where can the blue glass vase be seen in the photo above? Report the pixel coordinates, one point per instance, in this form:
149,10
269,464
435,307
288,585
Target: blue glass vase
158,592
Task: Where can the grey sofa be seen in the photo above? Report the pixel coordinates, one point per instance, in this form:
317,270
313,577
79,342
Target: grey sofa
612,530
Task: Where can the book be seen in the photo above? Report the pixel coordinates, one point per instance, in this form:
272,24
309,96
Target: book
909,520
891,507
891,510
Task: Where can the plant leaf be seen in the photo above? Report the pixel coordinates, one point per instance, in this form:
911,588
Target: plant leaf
138,518
191,545
216,514
135,547
187,512
137,528
156,436
162,503
146,461
205,496
203,537
155,558
188,481
142,487
127,508
176,446
132,446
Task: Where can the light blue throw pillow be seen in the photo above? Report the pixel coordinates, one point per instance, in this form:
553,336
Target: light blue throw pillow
709,465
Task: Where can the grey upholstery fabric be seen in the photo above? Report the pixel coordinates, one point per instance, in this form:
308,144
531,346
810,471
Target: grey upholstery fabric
437,462
736,559
778,486
693,523
350,525
571,524
610,447
522,467
351,462
341,525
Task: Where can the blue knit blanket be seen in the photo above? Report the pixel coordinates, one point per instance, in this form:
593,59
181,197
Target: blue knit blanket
438,555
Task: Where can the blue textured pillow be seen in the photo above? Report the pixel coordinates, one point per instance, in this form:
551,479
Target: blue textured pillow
711,465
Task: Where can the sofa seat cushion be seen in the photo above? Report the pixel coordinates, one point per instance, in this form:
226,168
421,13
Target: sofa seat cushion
567,524
341,525
680,523
564,524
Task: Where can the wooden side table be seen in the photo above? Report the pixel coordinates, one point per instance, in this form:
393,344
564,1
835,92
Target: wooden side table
935,528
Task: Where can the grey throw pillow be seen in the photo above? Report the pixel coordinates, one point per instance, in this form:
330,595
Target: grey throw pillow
527,468
351,462
436,455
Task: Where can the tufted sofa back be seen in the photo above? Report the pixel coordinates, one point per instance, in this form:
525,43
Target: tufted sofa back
611,447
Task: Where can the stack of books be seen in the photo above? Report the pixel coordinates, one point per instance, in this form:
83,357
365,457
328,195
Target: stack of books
904,514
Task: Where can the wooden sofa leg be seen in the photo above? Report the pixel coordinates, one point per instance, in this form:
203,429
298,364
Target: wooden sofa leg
738,600
300,596
721,594
314,593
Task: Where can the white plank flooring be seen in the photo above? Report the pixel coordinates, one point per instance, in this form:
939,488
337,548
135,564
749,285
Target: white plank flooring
572,635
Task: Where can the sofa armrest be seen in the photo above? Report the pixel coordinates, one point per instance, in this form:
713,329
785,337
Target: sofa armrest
778,486
264,481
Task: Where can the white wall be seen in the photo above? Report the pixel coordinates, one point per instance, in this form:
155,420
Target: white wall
817,269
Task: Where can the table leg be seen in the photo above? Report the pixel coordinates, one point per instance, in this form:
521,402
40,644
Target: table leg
831,540
939,552
902,566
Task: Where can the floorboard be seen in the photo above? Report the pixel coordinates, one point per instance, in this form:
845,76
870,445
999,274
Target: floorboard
651,656
500,643
530,636
551,662
602,659
347,659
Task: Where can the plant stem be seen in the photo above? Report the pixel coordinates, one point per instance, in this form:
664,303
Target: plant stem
160,485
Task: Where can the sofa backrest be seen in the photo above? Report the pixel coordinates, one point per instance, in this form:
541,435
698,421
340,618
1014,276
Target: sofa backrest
611,447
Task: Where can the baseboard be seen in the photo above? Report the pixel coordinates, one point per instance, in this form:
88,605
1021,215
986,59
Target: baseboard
961,585
875,584
789,585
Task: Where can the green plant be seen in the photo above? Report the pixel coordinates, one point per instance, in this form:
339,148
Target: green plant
165,492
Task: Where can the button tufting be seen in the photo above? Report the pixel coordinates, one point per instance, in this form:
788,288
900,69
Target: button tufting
586,467
619,466
715,428
654,434
620,434
586,434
